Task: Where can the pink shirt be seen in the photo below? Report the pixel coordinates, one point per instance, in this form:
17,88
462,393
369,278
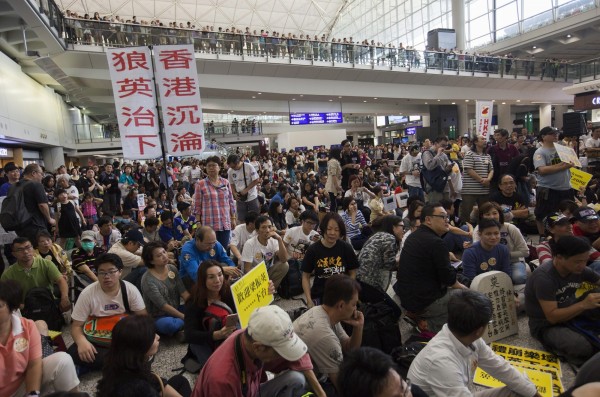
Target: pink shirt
23,345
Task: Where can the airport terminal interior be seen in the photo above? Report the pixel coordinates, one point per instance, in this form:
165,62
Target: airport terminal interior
283,85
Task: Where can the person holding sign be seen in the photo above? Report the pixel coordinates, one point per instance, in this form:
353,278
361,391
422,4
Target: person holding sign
445,367
558,292
266,246
554,178
269,343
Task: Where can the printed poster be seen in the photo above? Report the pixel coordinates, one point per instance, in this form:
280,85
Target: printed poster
251,292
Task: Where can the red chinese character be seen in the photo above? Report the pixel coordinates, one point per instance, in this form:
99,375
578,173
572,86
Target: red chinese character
179,114
129,60
187,141
141,117
135,86
180,86
175,59
142,142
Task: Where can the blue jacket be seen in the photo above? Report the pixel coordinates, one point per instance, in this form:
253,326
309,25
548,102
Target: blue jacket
191,257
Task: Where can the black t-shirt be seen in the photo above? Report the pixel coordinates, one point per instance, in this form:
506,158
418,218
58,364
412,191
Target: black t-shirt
515,202
322,159
325,262
349,158
34,194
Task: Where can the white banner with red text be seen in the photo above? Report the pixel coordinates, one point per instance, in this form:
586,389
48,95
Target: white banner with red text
135,101
483,119
177,81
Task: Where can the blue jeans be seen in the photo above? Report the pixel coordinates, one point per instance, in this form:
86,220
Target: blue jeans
455,242
224,236
168,325
519,273
416,191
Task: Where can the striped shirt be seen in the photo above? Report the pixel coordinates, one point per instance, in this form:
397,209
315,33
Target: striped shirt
214,205
353,229
482,165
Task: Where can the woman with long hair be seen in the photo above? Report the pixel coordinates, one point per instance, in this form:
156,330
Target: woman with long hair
134,344
278,217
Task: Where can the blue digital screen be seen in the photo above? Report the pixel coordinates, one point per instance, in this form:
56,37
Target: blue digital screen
410,131
316,118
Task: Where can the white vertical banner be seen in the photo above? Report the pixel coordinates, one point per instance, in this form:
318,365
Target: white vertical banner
131,76
177,81
483,117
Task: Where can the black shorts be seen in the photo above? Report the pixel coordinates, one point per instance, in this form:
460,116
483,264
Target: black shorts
547,200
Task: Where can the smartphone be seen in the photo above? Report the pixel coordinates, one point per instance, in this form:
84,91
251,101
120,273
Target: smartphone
232,320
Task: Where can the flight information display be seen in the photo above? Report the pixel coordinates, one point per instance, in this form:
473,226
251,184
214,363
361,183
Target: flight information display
316,118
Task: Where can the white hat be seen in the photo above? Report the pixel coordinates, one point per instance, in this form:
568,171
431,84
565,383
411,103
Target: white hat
271,326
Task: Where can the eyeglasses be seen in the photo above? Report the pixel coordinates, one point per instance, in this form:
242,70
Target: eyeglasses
109,273
406,388
444,217
24,249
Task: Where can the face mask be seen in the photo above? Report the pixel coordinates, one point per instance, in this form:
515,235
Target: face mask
87,245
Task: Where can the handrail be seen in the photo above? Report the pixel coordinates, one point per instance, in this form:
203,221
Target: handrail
111,34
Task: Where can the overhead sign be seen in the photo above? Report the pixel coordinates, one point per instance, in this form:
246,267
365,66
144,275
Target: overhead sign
177,80
316,118
410,131
589,100
132,81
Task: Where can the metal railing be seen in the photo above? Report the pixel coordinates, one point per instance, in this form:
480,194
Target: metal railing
52,14
295,50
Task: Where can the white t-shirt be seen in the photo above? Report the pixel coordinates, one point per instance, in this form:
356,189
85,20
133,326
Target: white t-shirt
94,302
254,252
195,174
296,242
592,143
240,235
290,219
236,179
408,165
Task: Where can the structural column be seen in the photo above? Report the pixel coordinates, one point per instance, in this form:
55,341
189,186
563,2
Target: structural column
53,157
376,132
459,23
463,119
558,115
505,119
545,115
18,156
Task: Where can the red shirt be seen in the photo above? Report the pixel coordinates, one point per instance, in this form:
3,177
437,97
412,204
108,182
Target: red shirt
221,375
24,344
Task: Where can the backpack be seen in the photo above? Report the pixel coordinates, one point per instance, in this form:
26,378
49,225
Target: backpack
14,214
436,178
215,316
291,285
98,330
41,305
403,356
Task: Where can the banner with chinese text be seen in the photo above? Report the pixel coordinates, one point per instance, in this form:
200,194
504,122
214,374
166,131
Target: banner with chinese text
483,119
177,81
251,291
131,75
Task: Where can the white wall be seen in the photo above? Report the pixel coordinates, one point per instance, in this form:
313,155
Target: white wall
310,138
31,112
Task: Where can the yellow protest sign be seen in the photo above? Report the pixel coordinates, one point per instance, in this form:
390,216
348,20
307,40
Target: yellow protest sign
523,355
557,385
579,178
251,291
541,380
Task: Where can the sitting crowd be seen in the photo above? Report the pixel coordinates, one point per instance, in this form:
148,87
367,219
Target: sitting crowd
131,265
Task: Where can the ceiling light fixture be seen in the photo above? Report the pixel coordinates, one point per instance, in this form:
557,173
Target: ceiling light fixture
374,98
253,97
331,100
466,100
364,101
454,103
439,100
504,103
518,100
259,93
293,99
534,47
569,36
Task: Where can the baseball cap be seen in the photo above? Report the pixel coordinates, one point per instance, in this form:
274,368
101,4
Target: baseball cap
182,206
134,235
88,235
8,167
584,214
553,219
271,326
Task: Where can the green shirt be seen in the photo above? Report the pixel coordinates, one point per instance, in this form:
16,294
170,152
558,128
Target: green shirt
43,273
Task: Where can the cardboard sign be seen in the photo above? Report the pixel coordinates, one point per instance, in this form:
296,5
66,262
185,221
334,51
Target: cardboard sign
402,199
567,155
499,288
541,380
523,355
389,203
251,291
579,179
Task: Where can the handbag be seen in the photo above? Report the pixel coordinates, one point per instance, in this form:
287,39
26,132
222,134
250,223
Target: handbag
98,330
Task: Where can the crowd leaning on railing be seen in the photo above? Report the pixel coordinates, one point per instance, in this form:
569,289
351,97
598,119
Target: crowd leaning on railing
118,31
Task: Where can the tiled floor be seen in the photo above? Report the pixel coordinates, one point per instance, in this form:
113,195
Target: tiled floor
171,352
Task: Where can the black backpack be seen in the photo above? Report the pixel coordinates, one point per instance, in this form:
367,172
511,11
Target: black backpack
14,214
40,305
291,285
